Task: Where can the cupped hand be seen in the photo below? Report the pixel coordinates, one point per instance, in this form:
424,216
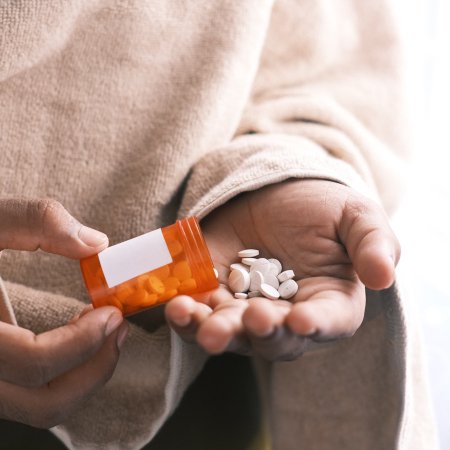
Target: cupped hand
336,241
45,377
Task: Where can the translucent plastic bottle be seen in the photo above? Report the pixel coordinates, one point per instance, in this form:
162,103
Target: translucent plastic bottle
150,269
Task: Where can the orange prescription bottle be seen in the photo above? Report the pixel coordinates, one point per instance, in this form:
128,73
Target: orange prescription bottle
150,269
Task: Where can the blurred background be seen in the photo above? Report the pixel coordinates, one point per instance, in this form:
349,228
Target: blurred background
423,222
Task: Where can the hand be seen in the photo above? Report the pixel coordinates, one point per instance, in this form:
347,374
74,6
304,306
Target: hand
44,378
335,240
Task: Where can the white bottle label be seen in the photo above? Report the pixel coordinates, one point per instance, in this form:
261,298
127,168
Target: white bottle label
132,258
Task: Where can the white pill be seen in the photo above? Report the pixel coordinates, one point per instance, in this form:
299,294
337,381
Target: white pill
239,266
259,263
288,289
252,294
273,270
216,272
248,261
240,295
286,275
256,279
272,280
269,292
277,264
239,280
248,253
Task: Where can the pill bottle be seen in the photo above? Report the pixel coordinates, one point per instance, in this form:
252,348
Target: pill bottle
151,269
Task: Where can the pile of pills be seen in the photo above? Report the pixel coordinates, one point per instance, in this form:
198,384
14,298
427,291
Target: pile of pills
260,277
151,288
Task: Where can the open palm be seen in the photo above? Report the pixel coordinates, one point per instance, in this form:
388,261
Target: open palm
336,241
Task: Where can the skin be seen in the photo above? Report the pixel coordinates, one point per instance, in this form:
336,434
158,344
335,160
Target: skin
45,377
337,242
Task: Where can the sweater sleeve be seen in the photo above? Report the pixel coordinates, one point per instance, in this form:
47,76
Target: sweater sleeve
327,102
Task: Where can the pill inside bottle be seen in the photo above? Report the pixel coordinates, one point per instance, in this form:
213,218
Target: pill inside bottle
151,269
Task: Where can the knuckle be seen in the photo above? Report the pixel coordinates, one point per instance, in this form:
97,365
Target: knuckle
42,212
48,210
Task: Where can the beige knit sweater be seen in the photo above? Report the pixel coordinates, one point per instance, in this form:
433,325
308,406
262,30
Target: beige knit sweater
134,112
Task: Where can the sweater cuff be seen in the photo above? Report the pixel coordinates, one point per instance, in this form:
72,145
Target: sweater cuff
251,162
6,310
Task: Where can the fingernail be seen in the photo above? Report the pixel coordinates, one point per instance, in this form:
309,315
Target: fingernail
91,237
114,320
123,333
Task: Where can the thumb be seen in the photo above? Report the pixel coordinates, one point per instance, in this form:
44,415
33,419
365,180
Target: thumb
370,242
46,224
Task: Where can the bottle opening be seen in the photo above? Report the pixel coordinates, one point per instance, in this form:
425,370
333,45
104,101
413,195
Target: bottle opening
197,253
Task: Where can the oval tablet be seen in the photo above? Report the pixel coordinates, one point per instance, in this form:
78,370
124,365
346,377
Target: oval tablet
175,248
248,261
272,280
137,297
288,289
248,253
155,285
239,280
162,272
269,292
187,285
172,283
273,270
277,264
237,266
262,265
260,262
240,295
182,271
256,279
286,275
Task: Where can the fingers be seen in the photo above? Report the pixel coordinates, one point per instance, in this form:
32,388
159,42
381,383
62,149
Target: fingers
263,316
45,224
51,403
370,242
223,329
30,360
185,315
327,308
264,321
216,330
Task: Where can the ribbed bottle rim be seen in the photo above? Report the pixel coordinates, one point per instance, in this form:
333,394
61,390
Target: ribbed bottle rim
195,243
